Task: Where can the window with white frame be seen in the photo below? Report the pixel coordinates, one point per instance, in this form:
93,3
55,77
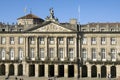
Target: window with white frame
84,54
93,40
32,40
103,40
61,52
113,54
32,53
3,52
60,40
51,52
103,54
51,40
21,40
11,53
70,40
41,53
84,40
3,40
71,52
93,53
113,40
41,40
11,40
20,51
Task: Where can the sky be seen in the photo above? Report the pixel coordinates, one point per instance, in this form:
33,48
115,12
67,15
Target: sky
85,11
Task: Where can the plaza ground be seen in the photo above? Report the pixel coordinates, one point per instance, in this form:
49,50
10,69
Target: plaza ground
46,78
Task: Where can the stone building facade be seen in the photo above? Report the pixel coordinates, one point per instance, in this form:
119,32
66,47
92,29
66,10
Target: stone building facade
43,48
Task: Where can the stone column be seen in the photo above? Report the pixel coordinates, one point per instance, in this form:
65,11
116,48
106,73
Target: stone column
108,69
24,68
75,70
98,70
65,54
65,70
16,69
46,47
7,69
75,47
27,69
36,70
46,70
55,48
37,48
56,70
26,44
89,70
118,71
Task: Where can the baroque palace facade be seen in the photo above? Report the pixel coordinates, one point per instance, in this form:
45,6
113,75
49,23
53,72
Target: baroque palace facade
42,48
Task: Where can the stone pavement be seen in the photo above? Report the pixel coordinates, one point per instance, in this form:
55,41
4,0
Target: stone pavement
45,78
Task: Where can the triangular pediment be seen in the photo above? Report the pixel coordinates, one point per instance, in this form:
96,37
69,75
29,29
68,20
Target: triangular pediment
52,27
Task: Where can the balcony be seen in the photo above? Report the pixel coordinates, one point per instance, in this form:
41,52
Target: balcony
50,60
16,60
105,61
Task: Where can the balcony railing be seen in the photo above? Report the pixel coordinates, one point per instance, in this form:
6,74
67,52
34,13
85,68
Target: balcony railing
49,60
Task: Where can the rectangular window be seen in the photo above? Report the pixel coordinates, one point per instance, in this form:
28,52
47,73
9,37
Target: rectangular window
41,53
11,53
32,53
93,53
103,54
71,51
51,40
70,40
3,40
103,40
20,51
84,54
60,53
113,40
41,40
20,40
60,40
51,52
32,40
11,40
84,41
93,40
113,54
3,52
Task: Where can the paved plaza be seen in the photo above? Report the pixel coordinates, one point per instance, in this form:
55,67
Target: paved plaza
45,78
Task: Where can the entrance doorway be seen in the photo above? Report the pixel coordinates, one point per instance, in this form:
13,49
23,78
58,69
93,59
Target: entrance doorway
2,69
11,70
20,70
113,72
93,71
84,71
70,70
61,70
103,72
41,70
32,70
51,70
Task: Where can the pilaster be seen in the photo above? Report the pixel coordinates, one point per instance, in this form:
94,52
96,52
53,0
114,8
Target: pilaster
46,70
36,70
66,70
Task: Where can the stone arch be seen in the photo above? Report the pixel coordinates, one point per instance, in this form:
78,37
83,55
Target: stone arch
84,71
11,69
93,71
2,69
20,70
113,71
103,71
31,70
